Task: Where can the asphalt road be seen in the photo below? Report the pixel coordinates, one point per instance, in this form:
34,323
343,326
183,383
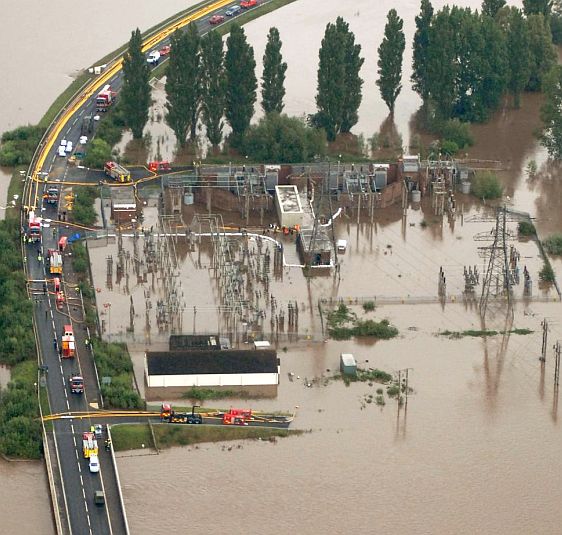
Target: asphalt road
79,485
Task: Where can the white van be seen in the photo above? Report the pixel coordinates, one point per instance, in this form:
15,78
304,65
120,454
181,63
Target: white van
62,151
68,147
94,464
153,58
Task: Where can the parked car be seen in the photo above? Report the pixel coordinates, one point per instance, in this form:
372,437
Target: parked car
94,464
232,11
62,151
98,430
83,140
165,50
216,19
246,4
153,58
99,497
68,147
63,142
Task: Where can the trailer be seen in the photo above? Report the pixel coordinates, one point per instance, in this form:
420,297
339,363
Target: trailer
117,172
68,343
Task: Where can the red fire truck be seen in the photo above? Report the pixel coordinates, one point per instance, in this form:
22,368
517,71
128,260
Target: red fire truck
105,98
155,167
68,344
34,227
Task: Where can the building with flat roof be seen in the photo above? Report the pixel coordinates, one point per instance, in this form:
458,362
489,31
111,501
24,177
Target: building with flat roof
179,371
288,205
123,205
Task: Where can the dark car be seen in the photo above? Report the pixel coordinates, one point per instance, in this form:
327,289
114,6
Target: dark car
232,11
216,19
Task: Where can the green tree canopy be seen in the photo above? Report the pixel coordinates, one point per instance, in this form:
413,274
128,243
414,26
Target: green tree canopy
213,86
519,57
491,7
98,153
535,7
420,50
281,139
135,95
182,87
273,78
551,137
390,53
241,83
542,53
331,82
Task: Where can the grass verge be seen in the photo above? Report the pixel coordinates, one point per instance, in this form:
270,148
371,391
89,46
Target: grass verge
133,436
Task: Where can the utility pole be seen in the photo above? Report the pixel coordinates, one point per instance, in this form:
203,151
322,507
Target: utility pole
556,365
544,325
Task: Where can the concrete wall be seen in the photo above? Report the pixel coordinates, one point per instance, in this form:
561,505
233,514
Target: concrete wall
211,380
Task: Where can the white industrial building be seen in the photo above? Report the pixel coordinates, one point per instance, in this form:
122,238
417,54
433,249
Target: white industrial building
259,367
288,205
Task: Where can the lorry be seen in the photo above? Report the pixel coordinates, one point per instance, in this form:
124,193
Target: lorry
55,262
117,172
89,444
51,196
33,228
153,58
155,167
105,98
87,126
68,343
173,417
76,383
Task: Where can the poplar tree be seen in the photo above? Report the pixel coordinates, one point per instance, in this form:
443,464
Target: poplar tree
535,7
182,87
331,83
135,94
490,8
273,78
241,83
390,52
213,86
353,82
519,57
421,50
542,53
551,137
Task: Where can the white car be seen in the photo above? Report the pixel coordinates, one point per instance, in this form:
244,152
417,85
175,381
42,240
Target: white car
62,151
63,142
83,140
68,147
94,464
153,58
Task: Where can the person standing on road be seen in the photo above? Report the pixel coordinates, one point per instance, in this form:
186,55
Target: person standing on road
55,343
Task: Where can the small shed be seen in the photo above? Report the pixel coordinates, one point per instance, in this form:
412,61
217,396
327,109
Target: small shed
348,366
123,205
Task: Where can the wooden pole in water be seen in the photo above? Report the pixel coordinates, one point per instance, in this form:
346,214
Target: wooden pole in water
557,365
544,340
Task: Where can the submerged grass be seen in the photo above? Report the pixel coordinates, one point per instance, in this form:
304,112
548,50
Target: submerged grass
482,333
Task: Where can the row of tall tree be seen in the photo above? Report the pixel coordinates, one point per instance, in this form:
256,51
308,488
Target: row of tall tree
464,61
206,83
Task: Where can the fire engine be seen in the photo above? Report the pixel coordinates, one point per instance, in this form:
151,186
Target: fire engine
117,172
55,262
76,384
52,195
237,417
173,417
105,99
89,444
68,344
34,227
159,166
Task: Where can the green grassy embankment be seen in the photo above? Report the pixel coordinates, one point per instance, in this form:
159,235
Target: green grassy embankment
132,436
